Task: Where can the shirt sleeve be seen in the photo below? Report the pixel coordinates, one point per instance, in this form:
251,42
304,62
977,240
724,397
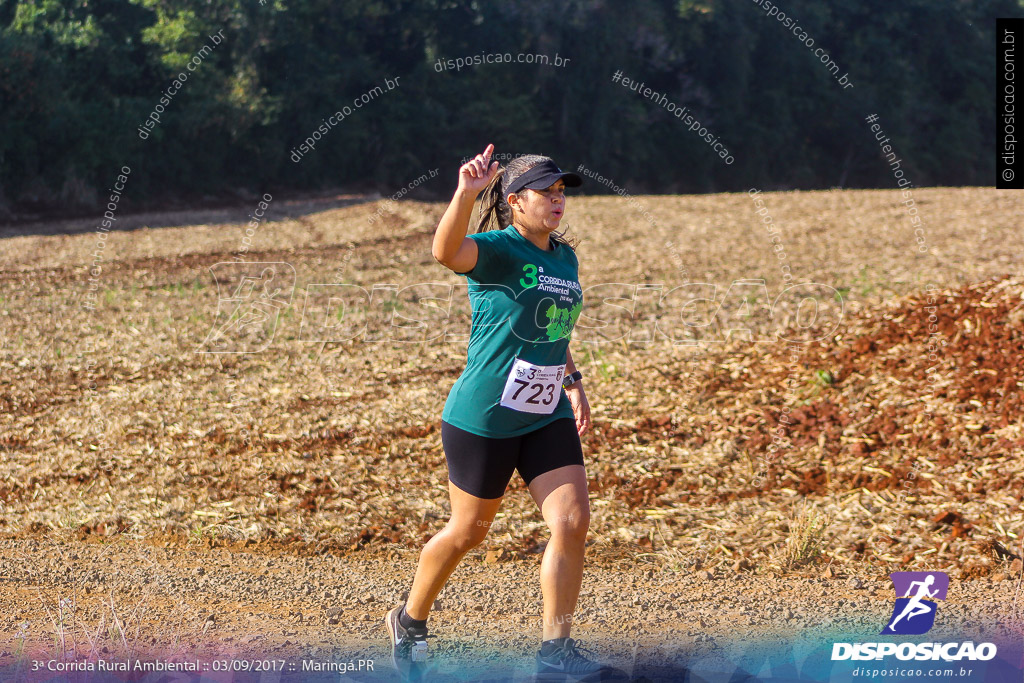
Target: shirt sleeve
488,260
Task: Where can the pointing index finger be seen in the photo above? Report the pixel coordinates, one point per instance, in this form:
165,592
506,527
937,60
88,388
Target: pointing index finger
487,153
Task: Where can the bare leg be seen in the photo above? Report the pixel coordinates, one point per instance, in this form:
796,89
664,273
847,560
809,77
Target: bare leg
562,497
471,518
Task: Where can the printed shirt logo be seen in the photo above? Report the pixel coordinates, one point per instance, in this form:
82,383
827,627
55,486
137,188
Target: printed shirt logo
914,612
530,280
562,320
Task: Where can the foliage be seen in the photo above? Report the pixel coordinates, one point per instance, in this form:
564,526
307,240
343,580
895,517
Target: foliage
79,77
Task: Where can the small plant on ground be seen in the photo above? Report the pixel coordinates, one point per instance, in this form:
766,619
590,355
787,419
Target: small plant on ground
597,359
20,637
806,540
824,378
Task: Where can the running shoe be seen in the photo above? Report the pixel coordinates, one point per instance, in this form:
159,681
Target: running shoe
408,647
567,663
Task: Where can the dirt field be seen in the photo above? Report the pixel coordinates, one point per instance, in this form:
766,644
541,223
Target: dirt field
159,497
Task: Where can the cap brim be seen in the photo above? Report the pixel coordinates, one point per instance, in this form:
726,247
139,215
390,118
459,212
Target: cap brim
571,180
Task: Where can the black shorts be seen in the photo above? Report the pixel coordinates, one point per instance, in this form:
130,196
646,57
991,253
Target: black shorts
482,466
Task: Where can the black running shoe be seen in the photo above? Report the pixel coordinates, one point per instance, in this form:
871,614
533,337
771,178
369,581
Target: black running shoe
408,647
568,664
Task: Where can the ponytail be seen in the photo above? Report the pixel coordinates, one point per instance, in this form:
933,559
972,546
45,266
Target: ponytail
492,205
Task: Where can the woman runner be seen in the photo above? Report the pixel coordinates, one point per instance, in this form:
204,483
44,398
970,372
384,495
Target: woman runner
518,405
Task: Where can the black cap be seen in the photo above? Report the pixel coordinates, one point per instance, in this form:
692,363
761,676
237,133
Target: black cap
541,176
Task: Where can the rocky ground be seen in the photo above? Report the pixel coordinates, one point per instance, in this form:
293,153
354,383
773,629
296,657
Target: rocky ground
206,599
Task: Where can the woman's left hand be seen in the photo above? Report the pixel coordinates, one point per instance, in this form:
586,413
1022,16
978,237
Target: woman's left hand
580,406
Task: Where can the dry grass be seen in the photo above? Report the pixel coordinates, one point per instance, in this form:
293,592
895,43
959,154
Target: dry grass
110,420
78,622
806,542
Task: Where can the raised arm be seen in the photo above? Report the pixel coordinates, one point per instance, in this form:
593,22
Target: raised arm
451,247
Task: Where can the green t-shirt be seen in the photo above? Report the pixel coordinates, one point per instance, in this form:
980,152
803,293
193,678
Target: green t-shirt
525,303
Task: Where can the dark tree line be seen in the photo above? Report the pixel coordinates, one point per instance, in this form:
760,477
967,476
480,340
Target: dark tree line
79,77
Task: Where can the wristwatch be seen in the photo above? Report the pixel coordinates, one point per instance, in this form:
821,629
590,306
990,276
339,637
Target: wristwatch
569,380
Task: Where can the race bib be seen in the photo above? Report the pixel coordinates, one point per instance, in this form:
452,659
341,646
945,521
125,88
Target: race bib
533,388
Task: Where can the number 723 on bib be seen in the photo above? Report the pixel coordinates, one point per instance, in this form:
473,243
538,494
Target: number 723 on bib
533,388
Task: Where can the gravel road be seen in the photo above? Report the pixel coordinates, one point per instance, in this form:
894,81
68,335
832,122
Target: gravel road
191,600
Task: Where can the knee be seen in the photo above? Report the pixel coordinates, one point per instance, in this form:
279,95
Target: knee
572,526
464,537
